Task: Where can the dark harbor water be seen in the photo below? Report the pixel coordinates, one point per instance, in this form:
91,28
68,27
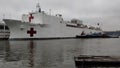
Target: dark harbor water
53,53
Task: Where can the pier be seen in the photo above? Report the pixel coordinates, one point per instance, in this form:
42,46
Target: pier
86,61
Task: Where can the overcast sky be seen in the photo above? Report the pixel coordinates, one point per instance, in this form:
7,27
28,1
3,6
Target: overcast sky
105,12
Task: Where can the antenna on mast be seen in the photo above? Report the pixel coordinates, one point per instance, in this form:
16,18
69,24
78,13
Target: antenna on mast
50,11
3,16
38,7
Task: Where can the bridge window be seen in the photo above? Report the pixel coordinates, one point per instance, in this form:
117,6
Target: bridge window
1,27
6,27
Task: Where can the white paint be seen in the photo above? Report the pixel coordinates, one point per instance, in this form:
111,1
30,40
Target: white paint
46,26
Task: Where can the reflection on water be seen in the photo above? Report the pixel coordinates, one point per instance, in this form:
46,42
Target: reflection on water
53,53
31,54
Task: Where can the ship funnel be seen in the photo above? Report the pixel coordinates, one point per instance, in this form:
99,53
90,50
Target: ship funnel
38,8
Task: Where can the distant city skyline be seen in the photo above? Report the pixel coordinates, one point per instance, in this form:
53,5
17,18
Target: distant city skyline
105,12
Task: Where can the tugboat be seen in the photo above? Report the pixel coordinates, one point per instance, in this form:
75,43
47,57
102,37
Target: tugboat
4,32
95,35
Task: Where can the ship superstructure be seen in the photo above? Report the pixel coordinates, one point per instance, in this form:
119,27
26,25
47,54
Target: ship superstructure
4,31
39,25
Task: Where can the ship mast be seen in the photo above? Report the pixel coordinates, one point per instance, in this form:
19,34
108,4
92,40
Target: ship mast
38,8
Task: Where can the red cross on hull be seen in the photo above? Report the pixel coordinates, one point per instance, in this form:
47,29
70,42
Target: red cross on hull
31,32
30,17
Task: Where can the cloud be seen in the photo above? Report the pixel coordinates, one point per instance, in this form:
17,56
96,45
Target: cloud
90,11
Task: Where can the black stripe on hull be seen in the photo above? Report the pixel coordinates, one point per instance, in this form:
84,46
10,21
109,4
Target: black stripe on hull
42,38
4,38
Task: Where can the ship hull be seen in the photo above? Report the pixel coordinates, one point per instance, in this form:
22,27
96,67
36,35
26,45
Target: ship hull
19,30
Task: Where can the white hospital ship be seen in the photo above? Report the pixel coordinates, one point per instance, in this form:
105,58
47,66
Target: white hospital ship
40,25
